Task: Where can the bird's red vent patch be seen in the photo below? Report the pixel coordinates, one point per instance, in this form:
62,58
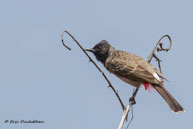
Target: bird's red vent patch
148,86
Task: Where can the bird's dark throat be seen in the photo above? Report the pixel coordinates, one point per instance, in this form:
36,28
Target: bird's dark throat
102,58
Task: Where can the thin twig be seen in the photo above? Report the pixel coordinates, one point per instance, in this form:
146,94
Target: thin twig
132,116
124,116
126,113
90,59
158,61
152,54
62,35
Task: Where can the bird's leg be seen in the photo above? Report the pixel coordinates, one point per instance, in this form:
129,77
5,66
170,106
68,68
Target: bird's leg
132,99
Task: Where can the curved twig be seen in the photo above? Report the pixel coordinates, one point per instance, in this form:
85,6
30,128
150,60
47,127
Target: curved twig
62,35
152,54
110,85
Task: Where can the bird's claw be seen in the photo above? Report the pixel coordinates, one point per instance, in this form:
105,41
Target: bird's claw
132,100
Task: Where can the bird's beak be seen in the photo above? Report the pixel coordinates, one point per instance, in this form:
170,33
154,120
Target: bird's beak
90,50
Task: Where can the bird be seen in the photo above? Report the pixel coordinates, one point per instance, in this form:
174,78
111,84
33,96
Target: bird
133,70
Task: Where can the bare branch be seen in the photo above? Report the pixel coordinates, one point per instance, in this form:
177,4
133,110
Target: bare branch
158,61
127,110
152,54
91,60
124,116
132,116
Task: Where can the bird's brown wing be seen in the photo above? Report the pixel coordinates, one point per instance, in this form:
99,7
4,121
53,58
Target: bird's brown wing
149,67
132,67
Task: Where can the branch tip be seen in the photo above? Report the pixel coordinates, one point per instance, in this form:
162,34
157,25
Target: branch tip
62,39
160,48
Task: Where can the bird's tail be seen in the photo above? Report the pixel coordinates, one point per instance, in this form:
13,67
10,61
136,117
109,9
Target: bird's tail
173,104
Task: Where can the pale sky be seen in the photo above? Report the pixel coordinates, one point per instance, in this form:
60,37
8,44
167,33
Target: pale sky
41,80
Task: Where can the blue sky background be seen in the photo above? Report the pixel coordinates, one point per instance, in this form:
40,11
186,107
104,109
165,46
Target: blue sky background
41,80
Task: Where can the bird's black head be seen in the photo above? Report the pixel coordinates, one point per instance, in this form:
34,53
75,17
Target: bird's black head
100,50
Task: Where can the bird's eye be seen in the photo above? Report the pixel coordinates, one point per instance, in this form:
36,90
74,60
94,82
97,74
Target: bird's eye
97,47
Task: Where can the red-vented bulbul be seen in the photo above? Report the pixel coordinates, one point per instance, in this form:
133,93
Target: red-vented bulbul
133,70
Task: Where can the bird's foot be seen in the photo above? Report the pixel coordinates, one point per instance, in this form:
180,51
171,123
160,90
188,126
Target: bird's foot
132,100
